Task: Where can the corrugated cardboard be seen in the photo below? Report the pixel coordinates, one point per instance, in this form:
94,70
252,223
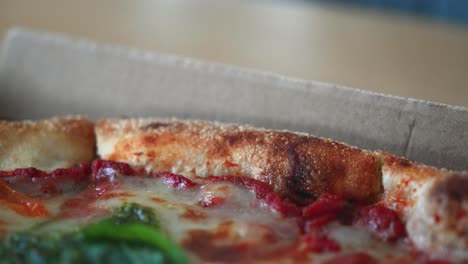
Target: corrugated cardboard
44,74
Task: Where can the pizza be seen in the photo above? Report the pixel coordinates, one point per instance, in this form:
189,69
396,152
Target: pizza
176,191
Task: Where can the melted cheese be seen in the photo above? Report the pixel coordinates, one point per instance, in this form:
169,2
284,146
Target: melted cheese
239,223
239,219
213,221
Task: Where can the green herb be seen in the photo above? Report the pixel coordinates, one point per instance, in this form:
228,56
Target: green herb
72,248
135,213
131,235
107,230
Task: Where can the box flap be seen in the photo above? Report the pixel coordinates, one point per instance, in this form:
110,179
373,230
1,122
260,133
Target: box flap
43,74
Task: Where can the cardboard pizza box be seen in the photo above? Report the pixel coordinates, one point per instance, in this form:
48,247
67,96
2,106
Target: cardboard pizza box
44,74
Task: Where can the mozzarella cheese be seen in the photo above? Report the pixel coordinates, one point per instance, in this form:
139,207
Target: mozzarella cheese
217,221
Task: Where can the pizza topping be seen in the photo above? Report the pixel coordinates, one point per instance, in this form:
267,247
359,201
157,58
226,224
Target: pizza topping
315,217
71,214
105,168
382,221
316,240
200,206
461,213
81,204
212,249
318,222
73,248
39,183
323,210
132,212
355,258
438,261
178,182
234,241
436,218
217,218
29,172
131,235
21,203
263,192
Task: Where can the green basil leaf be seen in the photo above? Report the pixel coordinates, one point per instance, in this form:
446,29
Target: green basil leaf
135,213
72,248
107,230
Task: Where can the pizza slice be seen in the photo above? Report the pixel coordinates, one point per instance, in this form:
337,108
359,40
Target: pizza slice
424,206
172,191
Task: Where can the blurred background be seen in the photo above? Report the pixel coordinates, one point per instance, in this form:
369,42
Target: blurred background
412,48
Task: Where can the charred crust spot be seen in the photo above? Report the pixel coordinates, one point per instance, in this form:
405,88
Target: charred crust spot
403,163
150,139
299,181
221,147
241,137
151,154
315,168
218,149
154,126
319,166
454,187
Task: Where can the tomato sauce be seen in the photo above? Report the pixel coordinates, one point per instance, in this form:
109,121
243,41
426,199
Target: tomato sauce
317,241
263,192
355,258
105,168
35,182
324,210
178,182
382,221
312,218
103,181
21,203
100,176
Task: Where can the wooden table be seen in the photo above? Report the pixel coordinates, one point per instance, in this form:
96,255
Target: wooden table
365,49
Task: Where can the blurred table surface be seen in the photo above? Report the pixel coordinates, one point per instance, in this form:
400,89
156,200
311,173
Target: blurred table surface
371,50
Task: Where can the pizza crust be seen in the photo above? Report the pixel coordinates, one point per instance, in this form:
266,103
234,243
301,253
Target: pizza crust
433,203
47,144
297,165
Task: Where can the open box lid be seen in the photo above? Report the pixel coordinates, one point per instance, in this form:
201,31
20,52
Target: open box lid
43,75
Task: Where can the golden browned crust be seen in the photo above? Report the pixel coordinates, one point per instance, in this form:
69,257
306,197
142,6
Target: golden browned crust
296,165
46,144
433,202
